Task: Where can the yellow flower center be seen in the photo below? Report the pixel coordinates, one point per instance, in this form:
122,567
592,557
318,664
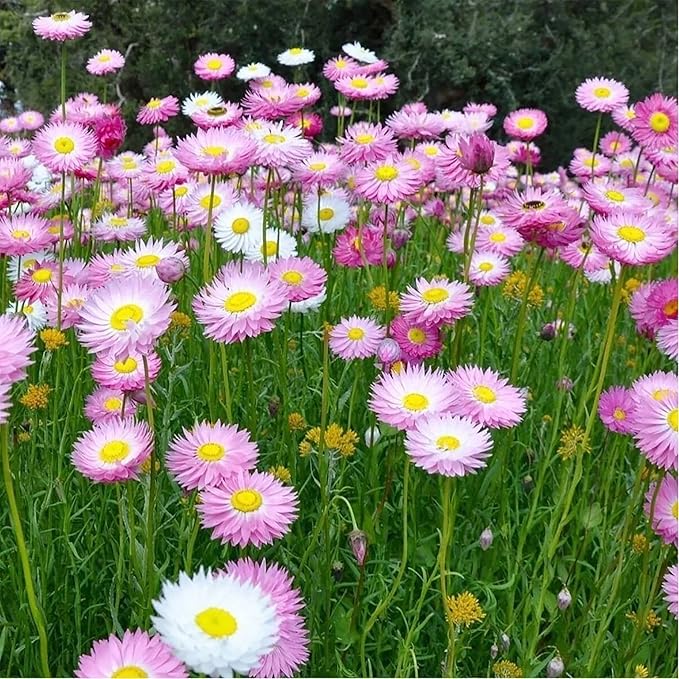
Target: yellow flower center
602,92
273,138
246,500
672,418
619,414
216,111
205,201
661,394
64,145
303,92
211,452
525,123
112,404
60,16
114,451
146,261
216,622
431,151
270,247
660,122
126,314
125,367
153,103
239,301
435,295
415,402
364,138
386,173
42,276
670,308
317,167
129,672
356,334
165,166
487,220
128,163
240,225
484,394
295,51
214,64
104,58
414,163
416,335
214,151
326,213
497,237
116,268
485,267
615,196
28,309
632,234
292,277
21,234
180,191
448,442
675,510
359,83
117,221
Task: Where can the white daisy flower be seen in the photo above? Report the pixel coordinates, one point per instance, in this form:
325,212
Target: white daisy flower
278,244
253,71
239,227
216,625
295,56
356,51
201,101
35,313
330,215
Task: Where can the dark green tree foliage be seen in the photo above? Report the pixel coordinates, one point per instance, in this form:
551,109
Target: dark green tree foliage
446,52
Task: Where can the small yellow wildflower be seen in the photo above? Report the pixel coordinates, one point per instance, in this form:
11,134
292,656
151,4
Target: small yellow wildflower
292,344
281,473
180,322
640,543
305,449
573,442
296,422
53,339
378,298
24,436
335,440
515,288
547,418
146,465
506,668
464,609
630,287
100,207
36,396
641,671
652,620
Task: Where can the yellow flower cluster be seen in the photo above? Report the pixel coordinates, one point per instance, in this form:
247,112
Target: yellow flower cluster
652,619
24,436
464,609
36,396
100,207
335,439
631,285
378,298
506,668
180,321
641,671
515,288
281,473
296,422
53,339
640,543
573,441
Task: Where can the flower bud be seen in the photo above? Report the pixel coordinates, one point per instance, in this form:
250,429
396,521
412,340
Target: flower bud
139,396
494,650
563,599
486,539
548,332
504,642
388,351
170,269
564,384
372,436
477,153
358,541
555,668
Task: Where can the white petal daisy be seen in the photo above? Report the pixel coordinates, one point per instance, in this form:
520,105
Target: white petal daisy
239,228
278,243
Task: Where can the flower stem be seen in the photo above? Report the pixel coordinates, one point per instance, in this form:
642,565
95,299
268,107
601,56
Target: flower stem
150,514
208,232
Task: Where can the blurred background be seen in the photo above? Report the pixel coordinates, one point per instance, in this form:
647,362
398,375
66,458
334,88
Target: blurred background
446,52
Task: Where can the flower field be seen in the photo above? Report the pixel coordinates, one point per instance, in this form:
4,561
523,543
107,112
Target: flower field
324,388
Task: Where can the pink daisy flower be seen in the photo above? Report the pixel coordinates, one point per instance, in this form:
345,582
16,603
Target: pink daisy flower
665,509
14,175
655,121
111,227
216,150
105,62
488,268
64,147
164,172
239,304
126,319
280,145
62,26
103,268
609,197
586,164
5,401
301,277
213,66
436,302
531,209
486,397
662,303
656,387
638,309
248,508
525,123
356,337
415,124
366,143
670,586
138,654
655,431
448,444
401,399
104,405
126,373
339,67
601,94
208,454
23,234
39,282
614,143
290,651
417,341
632,238
73,298
142,260
222,115
668,339
356,248
157,110
623,116
358,87
197,206
16,346
387,181
616,410
308,123
113,450
320,169
500,239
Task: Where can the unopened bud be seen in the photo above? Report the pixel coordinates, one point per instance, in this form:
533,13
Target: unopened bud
358,541
388,351
564,384
548,332
274,407
563,599
504,642
139,396
372,436
494,650
170,269
555,668
486,539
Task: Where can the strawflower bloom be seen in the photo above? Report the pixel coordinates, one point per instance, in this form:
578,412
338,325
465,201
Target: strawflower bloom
301,277
16,346
248,508
213,66
655,430
279,145
366,143
295,56
654,124
64,147
23,234
616,410
105,404
105,62
601,95
208,454
668,339
239,227
125,373
525,123
62,26
417,341
663,503
356,337
113,450
488,268
670,586
216,150
158,110
356,51
253,71
387,181
437,301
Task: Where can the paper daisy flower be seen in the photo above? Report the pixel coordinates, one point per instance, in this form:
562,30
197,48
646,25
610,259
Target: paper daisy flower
239,304
525,124
291,650
105,404
278,244
486,397
387,181
64,147
488,268
125,319
616,410
655,431
23,234
62,26
110,227
34,314
654,124
248,508
448,444
366,143
125,373
253,71
113,450
670,586
401,399
657,386
417,341
213,66
137,654
5,401
216,625
436,302
279,145
356,337
16,346
356,51
239,227
609,197
295,56
201,102
601,94
668,339
105,62
142,260
499,239
158,110
665,509
301,277
14,175
198,202
327,214
217,150
207,454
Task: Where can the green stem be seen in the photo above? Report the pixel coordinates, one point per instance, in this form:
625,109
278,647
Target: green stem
208,232
150,514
